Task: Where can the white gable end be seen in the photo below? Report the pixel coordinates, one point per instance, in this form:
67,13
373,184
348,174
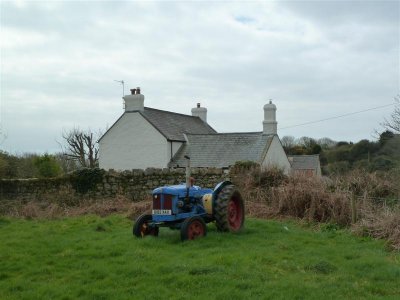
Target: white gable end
133,143
276,157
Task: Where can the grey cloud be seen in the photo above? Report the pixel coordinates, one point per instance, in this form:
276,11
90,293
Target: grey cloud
337,12
230,57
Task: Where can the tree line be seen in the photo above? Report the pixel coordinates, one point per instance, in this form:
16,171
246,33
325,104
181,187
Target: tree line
79,149
341,157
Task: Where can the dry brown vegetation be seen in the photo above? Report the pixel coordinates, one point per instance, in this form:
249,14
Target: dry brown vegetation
376,197
50,209
268,194
383,223
299,197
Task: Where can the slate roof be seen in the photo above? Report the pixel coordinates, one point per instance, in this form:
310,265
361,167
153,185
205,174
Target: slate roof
304,162
172,125
222,150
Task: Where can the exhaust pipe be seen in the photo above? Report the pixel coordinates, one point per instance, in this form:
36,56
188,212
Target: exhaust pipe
188,173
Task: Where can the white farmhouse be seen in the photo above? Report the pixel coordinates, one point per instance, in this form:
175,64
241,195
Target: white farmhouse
145,137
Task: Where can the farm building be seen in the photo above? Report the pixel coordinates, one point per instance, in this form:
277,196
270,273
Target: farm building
308,165
145,137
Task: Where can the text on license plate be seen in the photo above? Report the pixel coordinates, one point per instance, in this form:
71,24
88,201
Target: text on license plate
162,212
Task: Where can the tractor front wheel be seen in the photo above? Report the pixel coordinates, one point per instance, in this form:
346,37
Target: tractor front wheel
229,209
141,228
193,228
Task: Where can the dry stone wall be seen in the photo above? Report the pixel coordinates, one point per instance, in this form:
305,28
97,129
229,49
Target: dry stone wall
99,184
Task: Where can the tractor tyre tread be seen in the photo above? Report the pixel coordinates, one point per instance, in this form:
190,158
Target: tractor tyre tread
185,227
138,224
221,208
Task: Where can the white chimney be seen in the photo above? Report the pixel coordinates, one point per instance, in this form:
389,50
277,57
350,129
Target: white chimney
134,101
269,123
200,112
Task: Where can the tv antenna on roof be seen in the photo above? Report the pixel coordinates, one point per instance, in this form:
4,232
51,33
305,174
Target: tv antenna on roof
123,86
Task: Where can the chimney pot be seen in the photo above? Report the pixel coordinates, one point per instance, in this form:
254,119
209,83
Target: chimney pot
134,101
269,123
200,112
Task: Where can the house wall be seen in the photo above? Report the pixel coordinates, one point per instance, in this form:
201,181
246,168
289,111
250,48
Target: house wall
175,147
318,171
276,157
133,143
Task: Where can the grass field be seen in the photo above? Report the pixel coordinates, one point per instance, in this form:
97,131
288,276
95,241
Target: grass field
97,258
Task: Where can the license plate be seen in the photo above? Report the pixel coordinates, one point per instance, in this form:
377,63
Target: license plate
162,212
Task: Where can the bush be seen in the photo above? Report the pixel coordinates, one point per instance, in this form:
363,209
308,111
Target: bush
382,224
244,165
86,179
3,167
375,186
271,177
47,166
381,163
340,167
316,199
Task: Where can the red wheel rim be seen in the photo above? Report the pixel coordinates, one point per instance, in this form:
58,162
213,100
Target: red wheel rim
145,229
235,214
195,230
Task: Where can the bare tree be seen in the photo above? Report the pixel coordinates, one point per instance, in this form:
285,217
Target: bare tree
326,142
81,146
288,141
393,124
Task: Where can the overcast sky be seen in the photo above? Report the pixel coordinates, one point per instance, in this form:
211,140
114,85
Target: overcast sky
314,59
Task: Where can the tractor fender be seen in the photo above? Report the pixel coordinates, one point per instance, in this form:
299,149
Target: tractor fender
208,200
218,189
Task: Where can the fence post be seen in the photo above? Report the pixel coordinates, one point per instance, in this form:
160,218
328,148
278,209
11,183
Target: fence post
353,208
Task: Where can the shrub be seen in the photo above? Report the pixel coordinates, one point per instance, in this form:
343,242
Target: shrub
271,177
329,201
377,185
243,166
382,224
47,166
85,180
310,199
382,163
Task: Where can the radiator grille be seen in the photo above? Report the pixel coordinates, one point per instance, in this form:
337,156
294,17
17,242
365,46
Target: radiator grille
167,202
157,201
162,201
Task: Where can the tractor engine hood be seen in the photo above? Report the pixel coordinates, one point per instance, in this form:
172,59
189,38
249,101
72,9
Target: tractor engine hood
181,190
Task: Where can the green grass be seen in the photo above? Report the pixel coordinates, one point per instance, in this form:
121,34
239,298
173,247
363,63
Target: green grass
98,258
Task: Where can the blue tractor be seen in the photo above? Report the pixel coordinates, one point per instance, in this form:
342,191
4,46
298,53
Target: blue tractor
188,208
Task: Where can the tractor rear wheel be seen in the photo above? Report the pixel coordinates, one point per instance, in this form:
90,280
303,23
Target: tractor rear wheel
193,228
141,228
229,209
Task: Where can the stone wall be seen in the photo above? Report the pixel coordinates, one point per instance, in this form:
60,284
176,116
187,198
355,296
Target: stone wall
99,184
